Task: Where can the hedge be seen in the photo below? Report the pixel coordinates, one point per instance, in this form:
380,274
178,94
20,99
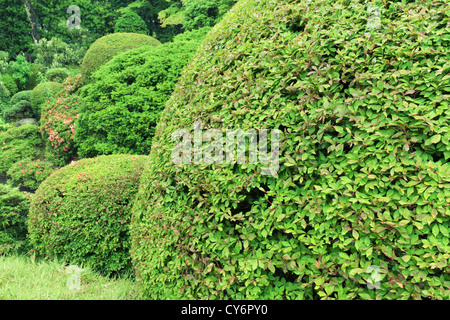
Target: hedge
359,207
103,49
121,105
81,213
14,207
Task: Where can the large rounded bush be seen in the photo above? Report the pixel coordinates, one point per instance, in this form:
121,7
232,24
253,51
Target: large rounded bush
81,213
14,206
102,50
43,92
361,196
121,106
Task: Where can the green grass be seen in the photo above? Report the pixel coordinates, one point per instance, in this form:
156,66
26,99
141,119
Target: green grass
24,279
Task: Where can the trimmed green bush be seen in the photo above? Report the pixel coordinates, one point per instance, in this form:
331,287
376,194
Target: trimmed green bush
361,196
130,22
102,50
121,106
19,111
57,74
29,173
81,213
19,143
14,206
22,95
43,92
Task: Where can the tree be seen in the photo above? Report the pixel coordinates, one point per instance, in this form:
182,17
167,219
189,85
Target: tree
15,36
194,14
32,18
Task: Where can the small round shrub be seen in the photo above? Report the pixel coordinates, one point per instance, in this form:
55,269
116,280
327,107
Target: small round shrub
130,22
29,173
43,92
14,206
121,106
57,74
17,143
9,83
19,111
81,213
103,49
19,96
360,199
58,128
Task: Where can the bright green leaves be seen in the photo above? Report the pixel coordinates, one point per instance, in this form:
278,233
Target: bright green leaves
81,213
363,188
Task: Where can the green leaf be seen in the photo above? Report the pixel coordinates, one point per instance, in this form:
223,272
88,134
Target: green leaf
433,140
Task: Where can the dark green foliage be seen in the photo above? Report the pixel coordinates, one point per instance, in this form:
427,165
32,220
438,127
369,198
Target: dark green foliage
14,206
19,96
17,143
9,83
34,77
130,22
43,92
363,181
19,111
121,107
57,74
20,107
109,46
14,28
81,213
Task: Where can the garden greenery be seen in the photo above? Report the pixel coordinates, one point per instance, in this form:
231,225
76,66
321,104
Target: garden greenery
363,182
81,213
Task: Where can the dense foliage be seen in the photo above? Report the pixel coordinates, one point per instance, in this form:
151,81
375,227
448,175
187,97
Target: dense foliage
58,128
121,106
14,207
43,92
81,212
17,143
363,182
130,22
109,46
57,74
29,173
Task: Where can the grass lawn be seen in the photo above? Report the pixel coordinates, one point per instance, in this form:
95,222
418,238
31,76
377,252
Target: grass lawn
24,279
